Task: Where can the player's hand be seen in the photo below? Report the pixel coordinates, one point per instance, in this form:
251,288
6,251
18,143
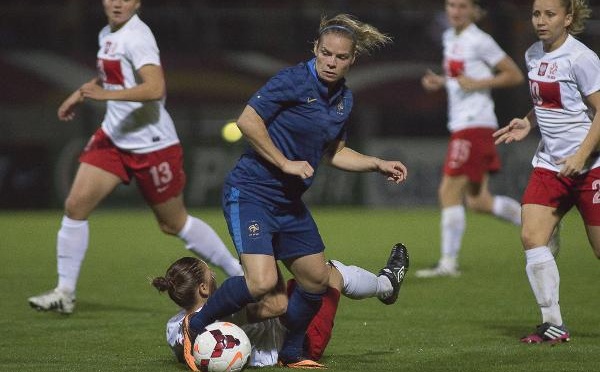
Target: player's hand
468,84
66,111
516,130
394,170
299,168
571,165
93,91
432,81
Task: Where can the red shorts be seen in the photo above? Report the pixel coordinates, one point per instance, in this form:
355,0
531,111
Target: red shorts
159,175
472,152
545,188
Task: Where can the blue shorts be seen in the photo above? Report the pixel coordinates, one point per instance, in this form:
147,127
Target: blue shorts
260,228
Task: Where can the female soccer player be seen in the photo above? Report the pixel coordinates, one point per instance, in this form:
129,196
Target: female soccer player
292,123
137,140
190,282
474,64
564,81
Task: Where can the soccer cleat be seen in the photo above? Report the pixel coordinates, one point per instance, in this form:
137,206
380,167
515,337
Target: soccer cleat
188,343
395,270
548,332
301,363
53,300
554,242
442,269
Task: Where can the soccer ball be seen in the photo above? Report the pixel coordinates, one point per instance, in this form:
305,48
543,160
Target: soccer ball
223,347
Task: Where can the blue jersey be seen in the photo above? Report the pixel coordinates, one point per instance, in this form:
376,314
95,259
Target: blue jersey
303,119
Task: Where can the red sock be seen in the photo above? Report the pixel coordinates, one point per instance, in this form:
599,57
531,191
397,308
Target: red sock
320,328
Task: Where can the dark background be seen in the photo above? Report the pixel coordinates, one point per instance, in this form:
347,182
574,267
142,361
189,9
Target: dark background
215,55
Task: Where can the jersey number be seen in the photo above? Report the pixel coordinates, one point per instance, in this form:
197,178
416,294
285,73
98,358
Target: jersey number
161,174
596,186
545,94
459,152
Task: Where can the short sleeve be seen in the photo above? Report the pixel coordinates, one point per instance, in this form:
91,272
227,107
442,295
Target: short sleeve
143,50
490,51
586,71
279,91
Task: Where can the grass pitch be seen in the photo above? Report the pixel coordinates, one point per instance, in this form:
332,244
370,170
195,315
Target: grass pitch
470,323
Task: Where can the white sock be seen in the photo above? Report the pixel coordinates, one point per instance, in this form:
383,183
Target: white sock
204,242
544,280
508,209
71,245
453,226
360,283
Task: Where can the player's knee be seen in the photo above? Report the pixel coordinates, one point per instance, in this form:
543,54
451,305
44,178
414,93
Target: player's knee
530,239
73,208
260,287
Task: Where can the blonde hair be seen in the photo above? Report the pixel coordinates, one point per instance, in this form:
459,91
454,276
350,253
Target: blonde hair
365,37
580,11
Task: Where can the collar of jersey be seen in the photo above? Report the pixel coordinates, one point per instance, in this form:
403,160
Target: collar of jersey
323,87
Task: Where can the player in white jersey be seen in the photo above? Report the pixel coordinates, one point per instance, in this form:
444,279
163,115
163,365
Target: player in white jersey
564,81
137,140
474,64
189,282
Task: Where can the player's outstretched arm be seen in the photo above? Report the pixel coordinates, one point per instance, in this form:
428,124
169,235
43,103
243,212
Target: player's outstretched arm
66,111
345,158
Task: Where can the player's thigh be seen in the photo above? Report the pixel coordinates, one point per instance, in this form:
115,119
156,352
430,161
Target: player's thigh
311,271
90,187
538,224
593,234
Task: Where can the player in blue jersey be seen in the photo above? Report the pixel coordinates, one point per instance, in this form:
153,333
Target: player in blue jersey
295,121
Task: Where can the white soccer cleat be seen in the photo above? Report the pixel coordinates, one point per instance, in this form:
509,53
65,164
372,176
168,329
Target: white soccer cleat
53,300
438,271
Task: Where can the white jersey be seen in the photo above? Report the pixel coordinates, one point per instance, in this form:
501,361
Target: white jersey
558,82
138,127
474,54
266,338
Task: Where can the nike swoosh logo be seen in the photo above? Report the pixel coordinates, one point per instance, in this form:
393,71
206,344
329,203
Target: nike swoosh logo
310,100
162,189
236,357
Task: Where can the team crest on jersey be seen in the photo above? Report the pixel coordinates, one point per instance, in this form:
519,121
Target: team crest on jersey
253,229
543,68
340,106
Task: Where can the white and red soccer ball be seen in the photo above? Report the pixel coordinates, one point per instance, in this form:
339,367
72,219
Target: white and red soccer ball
223,347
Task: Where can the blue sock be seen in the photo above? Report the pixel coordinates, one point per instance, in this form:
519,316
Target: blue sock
231,297
302,307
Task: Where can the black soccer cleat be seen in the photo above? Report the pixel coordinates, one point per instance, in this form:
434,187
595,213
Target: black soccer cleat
395,270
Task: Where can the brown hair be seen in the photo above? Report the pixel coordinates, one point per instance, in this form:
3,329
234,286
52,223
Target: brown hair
365,37
182,280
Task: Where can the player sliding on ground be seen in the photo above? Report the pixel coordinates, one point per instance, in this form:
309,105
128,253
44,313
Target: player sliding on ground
190,282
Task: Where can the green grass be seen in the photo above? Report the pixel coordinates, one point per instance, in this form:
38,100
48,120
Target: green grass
471,323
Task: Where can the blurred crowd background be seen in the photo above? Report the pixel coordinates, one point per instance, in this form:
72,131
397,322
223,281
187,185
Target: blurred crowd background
215,55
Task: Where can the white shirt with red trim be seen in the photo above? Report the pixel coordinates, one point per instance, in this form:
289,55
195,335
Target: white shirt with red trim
266,338
472,53
558,82
139,127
